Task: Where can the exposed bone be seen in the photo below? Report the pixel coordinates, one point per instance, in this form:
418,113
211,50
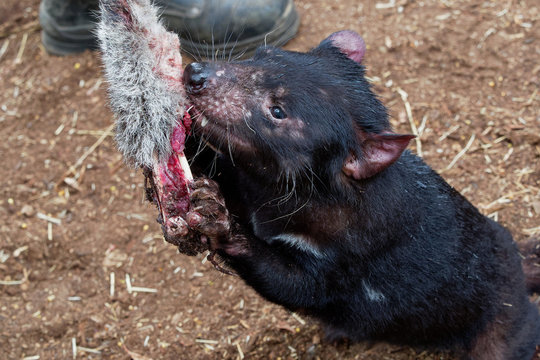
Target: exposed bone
185,166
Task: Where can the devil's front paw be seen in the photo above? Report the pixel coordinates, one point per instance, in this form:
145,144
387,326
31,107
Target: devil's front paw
208,214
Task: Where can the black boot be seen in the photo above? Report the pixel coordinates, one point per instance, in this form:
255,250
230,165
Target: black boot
229,28
224,28
67,25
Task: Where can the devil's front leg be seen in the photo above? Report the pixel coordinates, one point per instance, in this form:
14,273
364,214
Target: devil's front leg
208,214
282,275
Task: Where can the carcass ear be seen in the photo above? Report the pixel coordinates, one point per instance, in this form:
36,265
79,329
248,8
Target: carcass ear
348,43
378,152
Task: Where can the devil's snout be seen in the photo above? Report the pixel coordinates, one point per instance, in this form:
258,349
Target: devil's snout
196,77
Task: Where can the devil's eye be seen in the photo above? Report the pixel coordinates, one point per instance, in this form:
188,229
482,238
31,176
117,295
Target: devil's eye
277,112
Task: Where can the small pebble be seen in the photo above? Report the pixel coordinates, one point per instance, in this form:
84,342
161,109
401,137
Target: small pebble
28,210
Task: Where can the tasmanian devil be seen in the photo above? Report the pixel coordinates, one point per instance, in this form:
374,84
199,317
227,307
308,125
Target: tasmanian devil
325,212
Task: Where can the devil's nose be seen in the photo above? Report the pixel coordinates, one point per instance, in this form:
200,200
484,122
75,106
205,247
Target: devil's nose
195,77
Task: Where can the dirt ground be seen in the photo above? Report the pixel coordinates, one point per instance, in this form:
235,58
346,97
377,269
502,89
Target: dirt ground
83,268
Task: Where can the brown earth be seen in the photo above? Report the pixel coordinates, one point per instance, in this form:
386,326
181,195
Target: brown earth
471,72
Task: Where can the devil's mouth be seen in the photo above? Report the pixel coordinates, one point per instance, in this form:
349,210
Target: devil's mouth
219,134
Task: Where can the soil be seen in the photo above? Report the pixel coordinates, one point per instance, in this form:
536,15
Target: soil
72,215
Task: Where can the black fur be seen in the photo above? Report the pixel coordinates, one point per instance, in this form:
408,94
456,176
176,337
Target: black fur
399,256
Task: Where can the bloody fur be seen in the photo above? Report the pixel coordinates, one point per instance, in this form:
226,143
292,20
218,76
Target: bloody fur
143,66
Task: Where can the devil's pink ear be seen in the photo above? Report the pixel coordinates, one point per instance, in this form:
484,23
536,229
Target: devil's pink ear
349,43
379,152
